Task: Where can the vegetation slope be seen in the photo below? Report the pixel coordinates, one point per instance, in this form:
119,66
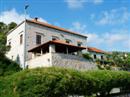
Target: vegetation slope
59,82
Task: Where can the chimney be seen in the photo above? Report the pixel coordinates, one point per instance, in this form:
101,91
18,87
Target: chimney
36,18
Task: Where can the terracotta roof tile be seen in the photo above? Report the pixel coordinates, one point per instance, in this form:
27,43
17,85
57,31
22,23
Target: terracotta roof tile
54,27
60,42
92,49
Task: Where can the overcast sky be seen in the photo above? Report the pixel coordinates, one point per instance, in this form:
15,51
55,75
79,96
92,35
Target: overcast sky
105,22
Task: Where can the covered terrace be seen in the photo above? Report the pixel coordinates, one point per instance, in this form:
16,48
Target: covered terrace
56,46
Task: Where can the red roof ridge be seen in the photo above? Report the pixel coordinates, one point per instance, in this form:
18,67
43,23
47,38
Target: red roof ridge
93,49
54,27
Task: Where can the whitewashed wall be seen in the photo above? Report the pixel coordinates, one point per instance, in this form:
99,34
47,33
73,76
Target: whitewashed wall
40,61
98,55
16,52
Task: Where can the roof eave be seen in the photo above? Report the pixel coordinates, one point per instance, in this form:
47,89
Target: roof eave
55,27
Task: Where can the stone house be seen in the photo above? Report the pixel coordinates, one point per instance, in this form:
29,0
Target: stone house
96,53
37,44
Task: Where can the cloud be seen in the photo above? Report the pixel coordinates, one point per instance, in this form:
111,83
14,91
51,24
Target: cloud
74,4
78,27
13,16
114,16
113,40
96,1
116,40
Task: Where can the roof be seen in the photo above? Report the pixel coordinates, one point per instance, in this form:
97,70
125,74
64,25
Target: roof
57,42
93,49
55,27
49,26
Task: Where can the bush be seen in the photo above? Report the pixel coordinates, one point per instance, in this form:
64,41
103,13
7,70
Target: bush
8,67
58,82
55,82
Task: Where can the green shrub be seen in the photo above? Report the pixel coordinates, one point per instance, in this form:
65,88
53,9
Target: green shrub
8,67
59,82
55,82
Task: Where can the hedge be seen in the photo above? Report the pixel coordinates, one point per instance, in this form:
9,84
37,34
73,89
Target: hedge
59,82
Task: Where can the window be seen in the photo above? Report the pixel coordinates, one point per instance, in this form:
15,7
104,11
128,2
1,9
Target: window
95,56
102,57
38,39
21,38
55,38
9,42
79,43
12,57
68,41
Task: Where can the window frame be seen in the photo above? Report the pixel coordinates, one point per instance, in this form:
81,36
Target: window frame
55,38
21,39
95,56
68,41
38,39
79,44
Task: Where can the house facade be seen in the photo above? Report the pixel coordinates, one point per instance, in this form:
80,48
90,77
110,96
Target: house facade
37,44
96,53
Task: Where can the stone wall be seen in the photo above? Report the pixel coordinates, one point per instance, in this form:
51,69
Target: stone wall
46,35
72,61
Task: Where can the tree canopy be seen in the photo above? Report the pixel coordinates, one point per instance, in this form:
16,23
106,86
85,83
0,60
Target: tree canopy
4,28
6,66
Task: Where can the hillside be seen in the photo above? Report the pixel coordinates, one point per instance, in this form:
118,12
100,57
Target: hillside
57,82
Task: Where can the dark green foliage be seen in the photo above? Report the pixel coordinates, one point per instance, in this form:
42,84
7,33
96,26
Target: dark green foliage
12,25
8,67
3,30
58,82
115,59
3,47
3,27
87,56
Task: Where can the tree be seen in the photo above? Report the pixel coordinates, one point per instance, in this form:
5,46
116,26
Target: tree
12,25
6,66
3,47
3,30
3,27
87,56
119,59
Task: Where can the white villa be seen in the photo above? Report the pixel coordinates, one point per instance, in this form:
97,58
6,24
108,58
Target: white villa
96,53
37,44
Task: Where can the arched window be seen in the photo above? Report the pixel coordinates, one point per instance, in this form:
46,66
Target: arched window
21,38
79,44
55,38
68,41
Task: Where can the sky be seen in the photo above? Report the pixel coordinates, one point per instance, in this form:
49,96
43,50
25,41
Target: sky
106,23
